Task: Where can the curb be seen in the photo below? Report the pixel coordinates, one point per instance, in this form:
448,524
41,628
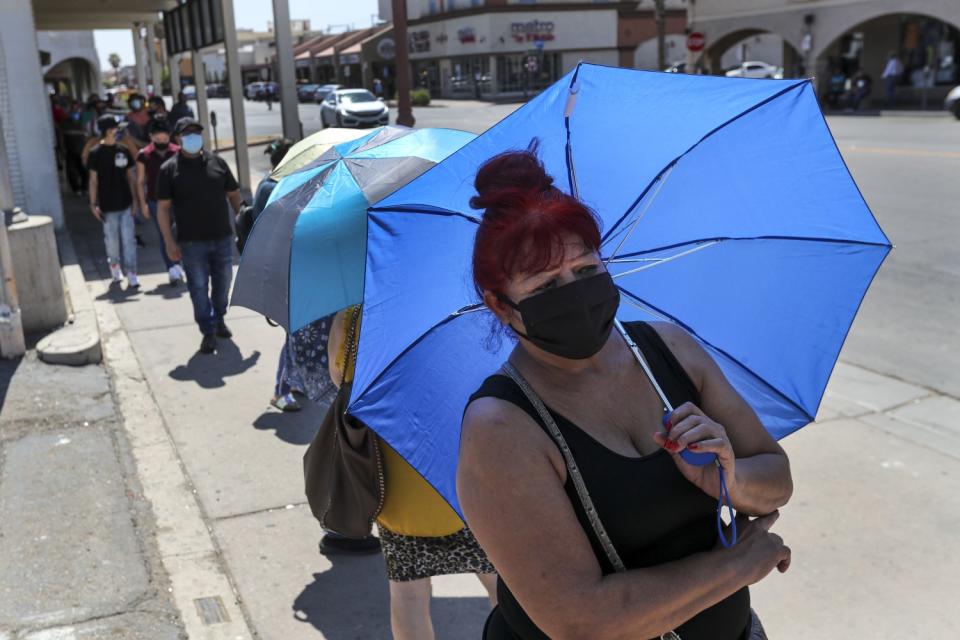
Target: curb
77,343
200,585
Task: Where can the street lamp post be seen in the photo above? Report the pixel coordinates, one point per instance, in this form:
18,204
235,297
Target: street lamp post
404,112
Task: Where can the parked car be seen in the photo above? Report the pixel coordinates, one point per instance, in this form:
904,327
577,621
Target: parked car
305,92
324,90
677,67
353,108
258,90
756,70
190,91
218,91
952,103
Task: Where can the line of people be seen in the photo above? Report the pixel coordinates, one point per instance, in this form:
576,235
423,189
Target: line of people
153,164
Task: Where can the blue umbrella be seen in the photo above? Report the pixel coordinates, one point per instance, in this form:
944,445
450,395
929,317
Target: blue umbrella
305,256
726,209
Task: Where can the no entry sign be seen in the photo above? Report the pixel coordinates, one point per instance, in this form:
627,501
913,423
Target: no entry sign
695,41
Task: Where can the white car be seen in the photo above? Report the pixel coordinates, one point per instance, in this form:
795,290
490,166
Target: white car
952,103
756,70
353,108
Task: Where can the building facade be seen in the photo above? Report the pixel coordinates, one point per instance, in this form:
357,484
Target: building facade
825,38
499,49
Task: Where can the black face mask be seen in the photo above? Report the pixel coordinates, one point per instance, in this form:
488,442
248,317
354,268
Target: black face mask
573,321
161,147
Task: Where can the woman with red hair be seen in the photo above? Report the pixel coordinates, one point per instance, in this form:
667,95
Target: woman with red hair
570,474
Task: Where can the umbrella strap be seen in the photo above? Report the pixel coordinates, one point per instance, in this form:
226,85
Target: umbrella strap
572,467
724,499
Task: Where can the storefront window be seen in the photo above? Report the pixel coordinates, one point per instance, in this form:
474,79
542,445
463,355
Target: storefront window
527,73
470,77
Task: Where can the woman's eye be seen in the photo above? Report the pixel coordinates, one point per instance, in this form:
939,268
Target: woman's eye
546,285
590,268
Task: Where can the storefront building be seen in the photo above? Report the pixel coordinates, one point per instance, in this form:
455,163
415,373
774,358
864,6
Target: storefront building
504,51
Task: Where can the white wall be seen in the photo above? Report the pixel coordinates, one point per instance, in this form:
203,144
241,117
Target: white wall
645,57
25,115
765,47
570,59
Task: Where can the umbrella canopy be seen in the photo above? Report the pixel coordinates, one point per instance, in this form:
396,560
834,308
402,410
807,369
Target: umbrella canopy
312,147
726,208
305,256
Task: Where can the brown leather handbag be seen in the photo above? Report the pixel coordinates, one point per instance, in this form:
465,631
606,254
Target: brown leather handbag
343,466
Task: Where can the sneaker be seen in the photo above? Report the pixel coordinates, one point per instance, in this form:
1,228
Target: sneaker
286,403
333,544
115,273
132,281
208,344
223,331
176,274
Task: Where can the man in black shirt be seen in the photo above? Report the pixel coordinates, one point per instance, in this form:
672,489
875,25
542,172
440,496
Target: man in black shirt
112,185
196,184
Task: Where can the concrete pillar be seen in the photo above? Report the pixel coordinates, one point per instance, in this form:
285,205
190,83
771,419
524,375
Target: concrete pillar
25,116
155,72
12,342
289,109
200,82
235,84
140,60
174,65
33,249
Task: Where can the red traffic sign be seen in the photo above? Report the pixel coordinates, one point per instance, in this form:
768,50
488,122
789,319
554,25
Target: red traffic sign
696,41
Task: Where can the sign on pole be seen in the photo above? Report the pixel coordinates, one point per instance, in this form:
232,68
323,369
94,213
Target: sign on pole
696,41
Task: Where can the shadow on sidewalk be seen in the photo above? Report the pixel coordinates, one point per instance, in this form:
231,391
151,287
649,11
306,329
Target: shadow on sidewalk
348,601
210,370
118,294
293,427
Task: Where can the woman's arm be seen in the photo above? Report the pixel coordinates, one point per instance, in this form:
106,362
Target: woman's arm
762,482
510,484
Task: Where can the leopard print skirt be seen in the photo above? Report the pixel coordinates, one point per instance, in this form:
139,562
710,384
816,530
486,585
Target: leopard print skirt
414,557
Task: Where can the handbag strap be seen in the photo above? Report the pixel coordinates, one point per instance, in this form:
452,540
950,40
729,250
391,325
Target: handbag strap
572,467
350,343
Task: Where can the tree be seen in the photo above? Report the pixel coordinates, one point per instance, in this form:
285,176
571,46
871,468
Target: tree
114,60
660,18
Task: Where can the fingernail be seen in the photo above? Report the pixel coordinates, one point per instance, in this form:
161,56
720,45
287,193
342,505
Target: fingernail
693,446
669,425
671,445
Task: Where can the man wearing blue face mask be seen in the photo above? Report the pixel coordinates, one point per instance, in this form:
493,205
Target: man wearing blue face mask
196,184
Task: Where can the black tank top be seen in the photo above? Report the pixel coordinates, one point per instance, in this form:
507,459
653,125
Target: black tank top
652,514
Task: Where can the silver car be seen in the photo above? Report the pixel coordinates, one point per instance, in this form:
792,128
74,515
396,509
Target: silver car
353,108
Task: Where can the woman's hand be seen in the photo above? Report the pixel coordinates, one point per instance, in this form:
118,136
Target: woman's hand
759,549
689,428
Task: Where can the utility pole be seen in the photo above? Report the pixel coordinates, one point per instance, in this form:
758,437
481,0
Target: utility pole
404,112
660,21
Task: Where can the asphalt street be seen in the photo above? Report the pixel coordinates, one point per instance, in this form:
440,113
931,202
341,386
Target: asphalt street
906,167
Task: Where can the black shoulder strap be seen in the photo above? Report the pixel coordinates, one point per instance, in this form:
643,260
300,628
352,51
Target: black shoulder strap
668,371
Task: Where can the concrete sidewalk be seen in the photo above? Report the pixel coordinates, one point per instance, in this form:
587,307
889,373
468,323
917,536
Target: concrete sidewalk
871,524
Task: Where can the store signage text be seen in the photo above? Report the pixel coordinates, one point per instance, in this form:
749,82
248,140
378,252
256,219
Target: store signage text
532,31
419,41
467,35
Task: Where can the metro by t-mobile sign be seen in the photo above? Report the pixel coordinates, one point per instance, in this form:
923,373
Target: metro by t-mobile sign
696,41
532,31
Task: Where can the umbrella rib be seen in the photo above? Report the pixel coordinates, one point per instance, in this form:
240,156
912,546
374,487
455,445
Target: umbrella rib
694,146
661,180
658,261
720,239
660,313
